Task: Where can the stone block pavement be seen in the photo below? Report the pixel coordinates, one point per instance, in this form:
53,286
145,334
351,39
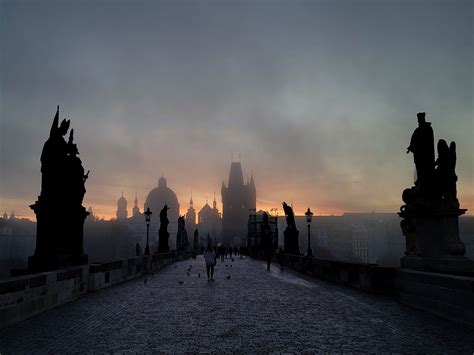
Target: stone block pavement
253,311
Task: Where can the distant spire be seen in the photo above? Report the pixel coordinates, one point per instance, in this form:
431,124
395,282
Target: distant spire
191,200
214,203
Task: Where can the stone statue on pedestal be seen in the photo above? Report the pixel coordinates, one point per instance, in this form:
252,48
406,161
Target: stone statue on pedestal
182,242
431,211
59,211
267,239
291,233
163,234
196,239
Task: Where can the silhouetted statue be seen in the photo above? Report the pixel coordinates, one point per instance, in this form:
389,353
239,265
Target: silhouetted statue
422,147
163,231
182,242
291,233
196,239
186,240
445,173
431,211
267,239
290,216
138,249
59,211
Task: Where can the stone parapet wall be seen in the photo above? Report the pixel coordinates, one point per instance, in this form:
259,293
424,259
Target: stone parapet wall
448,296
26,296
366,277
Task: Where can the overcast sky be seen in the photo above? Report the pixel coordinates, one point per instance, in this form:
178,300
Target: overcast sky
319,97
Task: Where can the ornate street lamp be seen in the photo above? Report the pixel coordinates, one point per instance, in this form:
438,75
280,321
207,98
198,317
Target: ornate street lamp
147,214
309,215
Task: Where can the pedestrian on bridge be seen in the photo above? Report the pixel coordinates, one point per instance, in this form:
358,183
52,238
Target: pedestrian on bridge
210,257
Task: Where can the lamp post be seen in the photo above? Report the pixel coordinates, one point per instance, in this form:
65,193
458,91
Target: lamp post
309,215
147,219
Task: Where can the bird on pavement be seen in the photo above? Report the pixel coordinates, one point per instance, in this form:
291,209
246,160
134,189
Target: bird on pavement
187,273
228,277
199,275
180,282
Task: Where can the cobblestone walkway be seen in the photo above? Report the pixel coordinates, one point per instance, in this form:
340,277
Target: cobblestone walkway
253,311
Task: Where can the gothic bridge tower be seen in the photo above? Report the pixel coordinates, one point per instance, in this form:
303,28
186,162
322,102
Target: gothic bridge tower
237,199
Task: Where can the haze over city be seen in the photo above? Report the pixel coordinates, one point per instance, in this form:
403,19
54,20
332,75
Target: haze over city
318,98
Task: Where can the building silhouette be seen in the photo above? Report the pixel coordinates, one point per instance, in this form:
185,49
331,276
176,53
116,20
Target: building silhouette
156,199
238,199
135,209
190,218
210,221
122,211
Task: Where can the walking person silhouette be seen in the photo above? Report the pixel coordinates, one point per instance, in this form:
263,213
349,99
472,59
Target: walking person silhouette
210,257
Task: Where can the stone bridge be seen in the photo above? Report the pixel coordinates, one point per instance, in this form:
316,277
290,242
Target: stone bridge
252,311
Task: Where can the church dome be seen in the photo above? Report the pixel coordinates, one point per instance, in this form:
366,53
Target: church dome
160,196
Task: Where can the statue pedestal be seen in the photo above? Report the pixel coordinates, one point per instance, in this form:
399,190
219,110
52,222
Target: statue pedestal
59,237
291,241
41,263
435,242
163,246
